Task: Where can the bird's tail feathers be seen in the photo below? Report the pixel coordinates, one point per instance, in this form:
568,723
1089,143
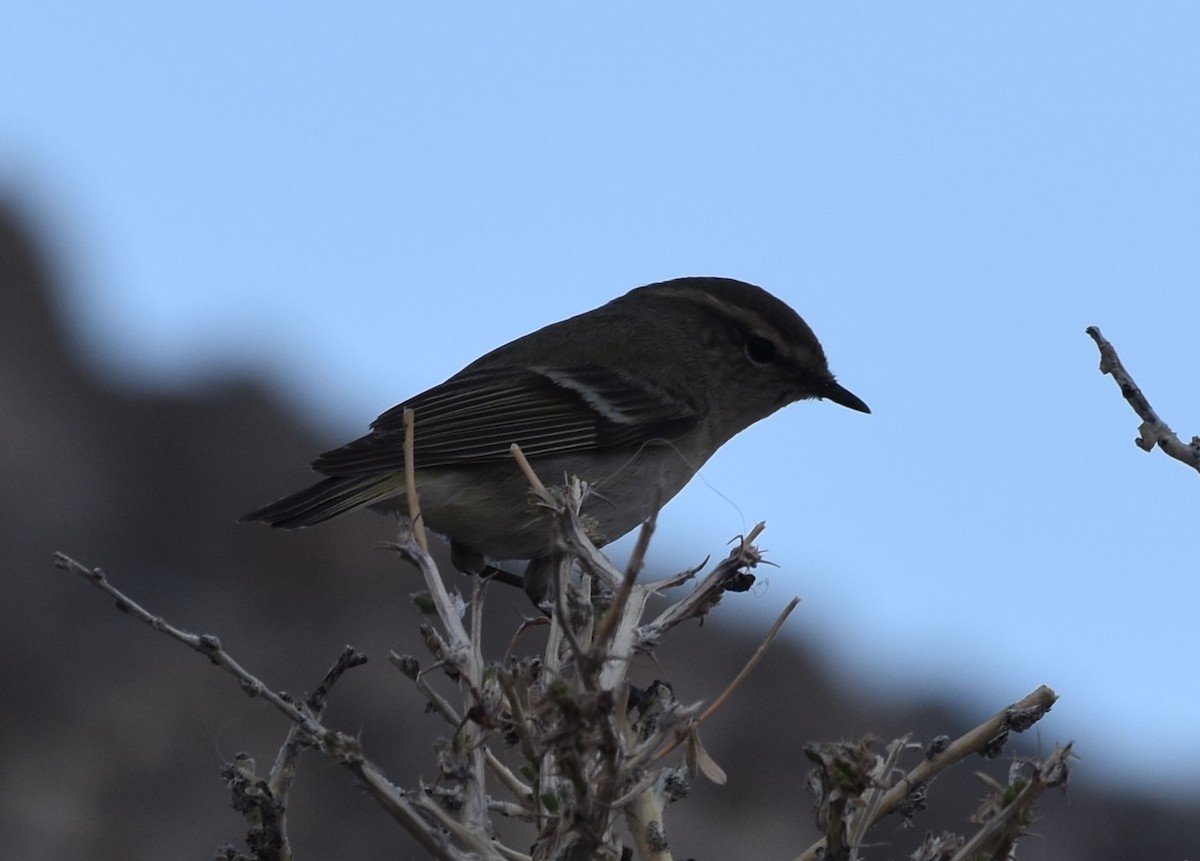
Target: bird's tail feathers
326,499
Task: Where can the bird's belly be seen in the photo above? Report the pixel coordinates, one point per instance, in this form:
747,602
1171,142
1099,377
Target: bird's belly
624,489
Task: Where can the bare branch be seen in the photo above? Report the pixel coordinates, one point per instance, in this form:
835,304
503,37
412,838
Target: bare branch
206,644
342,747
1007,815
1153,430
987,740
730,575
582,747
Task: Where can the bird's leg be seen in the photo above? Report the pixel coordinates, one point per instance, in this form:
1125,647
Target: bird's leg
491,572
473,563
540,579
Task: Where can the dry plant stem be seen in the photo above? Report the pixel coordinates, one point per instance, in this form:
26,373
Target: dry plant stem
475,801
342,747
750,664
592,743
619,635
727,694
620,624
520,790
1008,818
562,616
1153,430
205,644
644,818
568,514
985,738
626,635
458,646
600,653
410,484
393,800
702,597
264,803
527,469
442,706
637,562
637,559
618,639
515,696
554,668
463,649
680,578
874,797
480,846
284,769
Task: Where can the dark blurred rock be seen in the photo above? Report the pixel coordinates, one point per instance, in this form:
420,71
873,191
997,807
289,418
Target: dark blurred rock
112,737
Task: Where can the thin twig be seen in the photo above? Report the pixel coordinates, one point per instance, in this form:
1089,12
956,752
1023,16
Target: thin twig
527,469
448,609
284,769
874,796
637,561
343,748
410,483
480,846
704,594
1006,816
474,812
417,675
986,739
1153,430
750,664
206,644
738,679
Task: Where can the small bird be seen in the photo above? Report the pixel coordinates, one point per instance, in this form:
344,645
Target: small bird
632,397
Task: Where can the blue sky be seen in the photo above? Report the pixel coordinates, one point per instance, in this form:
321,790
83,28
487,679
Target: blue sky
357,201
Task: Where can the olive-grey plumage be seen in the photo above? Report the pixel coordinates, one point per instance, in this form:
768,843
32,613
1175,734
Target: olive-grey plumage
633,397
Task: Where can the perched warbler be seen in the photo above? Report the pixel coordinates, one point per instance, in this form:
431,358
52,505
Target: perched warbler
632,397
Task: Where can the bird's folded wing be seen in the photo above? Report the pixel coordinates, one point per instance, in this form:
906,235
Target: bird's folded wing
475,416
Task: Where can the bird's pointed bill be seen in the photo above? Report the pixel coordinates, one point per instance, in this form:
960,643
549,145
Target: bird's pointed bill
841,395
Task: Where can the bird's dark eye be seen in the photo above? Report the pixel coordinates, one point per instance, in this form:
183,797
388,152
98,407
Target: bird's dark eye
759,349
